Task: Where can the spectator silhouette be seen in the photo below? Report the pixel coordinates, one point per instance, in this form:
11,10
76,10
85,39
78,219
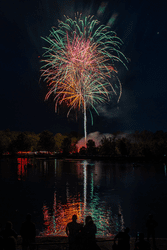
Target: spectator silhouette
72,230
123,240
28,233
7,233
89,231
142,244
151,224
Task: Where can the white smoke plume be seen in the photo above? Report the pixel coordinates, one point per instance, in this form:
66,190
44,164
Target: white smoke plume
97,137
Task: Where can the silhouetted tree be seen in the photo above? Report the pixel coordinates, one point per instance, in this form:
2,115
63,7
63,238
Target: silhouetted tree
46,141
82,151
23,142
4,142
143,143
146,136
91,148
34,139
74,141
58,141
107,146
122,146
136,136
66,145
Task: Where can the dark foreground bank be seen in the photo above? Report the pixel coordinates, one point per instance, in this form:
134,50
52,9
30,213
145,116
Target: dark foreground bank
61,243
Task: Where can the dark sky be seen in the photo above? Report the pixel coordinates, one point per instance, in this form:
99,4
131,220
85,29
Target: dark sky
142,27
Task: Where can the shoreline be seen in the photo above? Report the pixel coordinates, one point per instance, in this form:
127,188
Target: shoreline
121,159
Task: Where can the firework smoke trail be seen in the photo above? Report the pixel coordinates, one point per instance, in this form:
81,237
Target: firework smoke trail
79,63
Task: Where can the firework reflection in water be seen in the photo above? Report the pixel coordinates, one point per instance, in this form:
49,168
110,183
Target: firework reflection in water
108,223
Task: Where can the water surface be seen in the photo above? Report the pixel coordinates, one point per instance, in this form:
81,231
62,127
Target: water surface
114,194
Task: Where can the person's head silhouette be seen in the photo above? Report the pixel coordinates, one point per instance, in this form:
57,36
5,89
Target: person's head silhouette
88,219
74,218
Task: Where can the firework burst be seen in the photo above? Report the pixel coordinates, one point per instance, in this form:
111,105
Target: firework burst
79,64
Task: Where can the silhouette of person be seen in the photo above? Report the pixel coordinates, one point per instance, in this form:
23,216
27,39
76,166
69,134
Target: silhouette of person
28,233
89,231
8,232
72,230
142,244
123,240
151,224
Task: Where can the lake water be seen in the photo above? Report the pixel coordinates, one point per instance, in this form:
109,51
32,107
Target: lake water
116,195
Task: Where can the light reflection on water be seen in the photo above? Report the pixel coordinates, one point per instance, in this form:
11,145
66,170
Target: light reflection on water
22,168
107,218
113,193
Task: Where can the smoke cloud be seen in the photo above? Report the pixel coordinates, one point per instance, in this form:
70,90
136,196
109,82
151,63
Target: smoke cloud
97,137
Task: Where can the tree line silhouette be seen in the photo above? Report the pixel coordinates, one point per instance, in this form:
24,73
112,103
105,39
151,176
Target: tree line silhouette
137,144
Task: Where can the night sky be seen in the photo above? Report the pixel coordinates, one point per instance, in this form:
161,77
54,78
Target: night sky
142,27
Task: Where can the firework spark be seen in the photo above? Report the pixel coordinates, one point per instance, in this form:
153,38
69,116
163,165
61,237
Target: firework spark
79,64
